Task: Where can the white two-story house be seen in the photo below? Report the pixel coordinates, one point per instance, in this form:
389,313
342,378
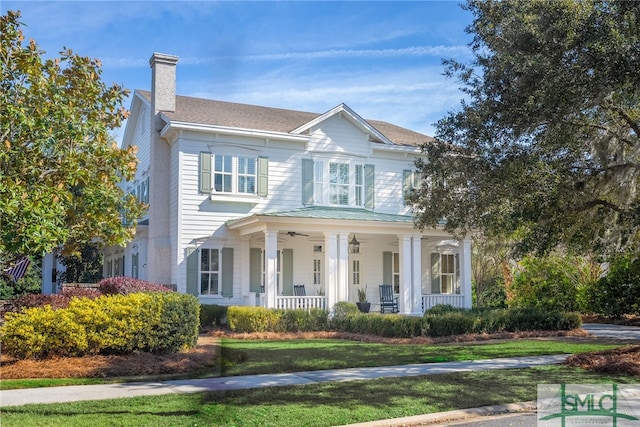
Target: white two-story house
247,201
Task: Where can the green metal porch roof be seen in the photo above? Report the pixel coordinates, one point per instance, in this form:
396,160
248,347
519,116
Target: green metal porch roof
322,212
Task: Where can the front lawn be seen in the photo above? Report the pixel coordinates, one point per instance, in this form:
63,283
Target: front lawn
317,405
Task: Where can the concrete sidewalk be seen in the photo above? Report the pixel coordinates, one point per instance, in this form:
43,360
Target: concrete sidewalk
114,391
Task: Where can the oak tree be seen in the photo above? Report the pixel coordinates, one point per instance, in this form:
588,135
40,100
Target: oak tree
545,147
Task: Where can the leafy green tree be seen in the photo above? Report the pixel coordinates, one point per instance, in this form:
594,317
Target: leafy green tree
59,165
546,147
618,292
550,282
85,266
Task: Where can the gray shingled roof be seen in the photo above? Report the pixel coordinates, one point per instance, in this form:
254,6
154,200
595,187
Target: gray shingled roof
245,116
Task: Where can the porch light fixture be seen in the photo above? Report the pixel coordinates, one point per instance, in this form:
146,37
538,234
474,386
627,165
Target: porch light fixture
354,246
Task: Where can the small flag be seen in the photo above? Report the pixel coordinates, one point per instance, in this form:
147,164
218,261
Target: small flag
18,271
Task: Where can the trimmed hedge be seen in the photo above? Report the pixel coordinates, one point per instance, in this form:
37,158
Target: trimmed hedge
116,324
438,322
124,285
212,315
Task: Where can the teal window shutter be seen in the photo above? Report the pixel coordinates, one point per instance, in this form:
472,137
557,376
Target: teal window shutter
387,268
192,271
227,272
205,172
255,269
287,271
263,176
307,182
406,183
435,273
369,186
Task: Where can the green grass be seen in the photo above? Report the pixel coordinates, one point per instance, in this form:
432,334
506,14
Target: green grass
248,357
315,405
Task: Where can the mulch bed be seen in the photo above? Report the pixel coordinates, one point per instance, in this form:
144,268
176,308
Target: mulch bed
625,360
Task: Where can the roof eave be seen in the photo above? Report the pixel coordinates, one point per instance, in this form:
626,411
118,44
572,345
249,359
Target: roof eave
173,126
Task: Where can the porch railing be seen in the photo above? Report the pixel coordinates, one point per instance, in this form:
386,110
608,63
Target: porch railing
431,300
292,302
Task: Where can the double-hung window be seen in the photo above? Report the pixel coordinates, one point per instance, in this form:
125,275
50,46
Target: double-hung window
445,273
210,272
226,174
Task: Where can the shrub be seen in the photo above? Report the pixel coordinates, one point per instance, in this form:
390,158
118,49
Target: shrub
254,319
550,283
42,332
124,285
451,323
55,301
303,320
121,324
534,318
212,315
342,313
443,308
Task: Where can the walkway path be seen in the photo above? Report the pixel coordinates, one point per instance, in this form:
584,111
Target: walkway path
112,391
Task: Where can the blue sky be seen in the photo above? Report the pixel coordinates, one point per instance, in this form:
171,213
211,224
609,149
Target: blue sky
383,59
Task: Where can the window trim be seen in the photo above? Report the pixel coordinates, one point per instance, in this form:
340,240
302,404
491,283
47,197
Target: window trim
211,272
208,174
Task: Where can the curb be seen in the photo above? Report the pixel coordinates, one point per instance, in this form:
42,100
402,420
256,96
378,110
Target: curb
457,415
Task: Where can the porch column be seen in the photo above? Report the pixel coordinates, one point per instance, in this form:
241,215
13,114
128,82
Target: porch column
342,293
245,260
416,276
405,274
465,272
331,268
271,267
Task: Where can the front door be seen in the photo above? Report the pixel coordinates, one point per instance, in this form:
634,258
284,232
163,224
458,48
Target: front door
356,275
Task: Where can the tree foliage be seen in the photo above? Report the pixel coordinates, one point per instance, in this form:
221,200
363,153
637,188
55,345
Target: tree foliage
545,148
59,164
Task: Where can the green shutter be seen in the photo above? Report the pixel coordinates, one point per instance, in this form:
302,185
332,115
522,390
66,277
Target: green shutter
205,172
387,268
406,183
435,273
263,176
307,182
255,269
287,271
227,272
369,186
192,271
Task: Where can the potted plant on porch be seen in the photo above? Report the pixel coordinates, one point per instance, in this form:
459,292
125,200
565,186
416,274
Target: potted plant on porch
363,304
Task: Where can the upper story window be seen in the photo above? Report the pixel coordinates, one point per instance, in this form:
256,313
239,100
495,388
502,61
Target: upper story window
412,181
225,174
339,183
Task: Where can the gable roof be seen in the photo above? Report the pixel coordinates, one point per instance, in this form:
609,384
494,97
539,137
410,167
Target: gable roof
246,116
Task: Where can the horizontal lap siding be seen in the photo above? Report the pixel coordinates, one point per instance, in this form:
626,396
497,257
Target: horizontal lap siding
200,216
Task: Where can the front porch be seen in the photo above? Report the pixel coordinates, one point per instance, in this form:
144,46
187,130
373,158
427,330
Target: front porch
336,252
306,303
